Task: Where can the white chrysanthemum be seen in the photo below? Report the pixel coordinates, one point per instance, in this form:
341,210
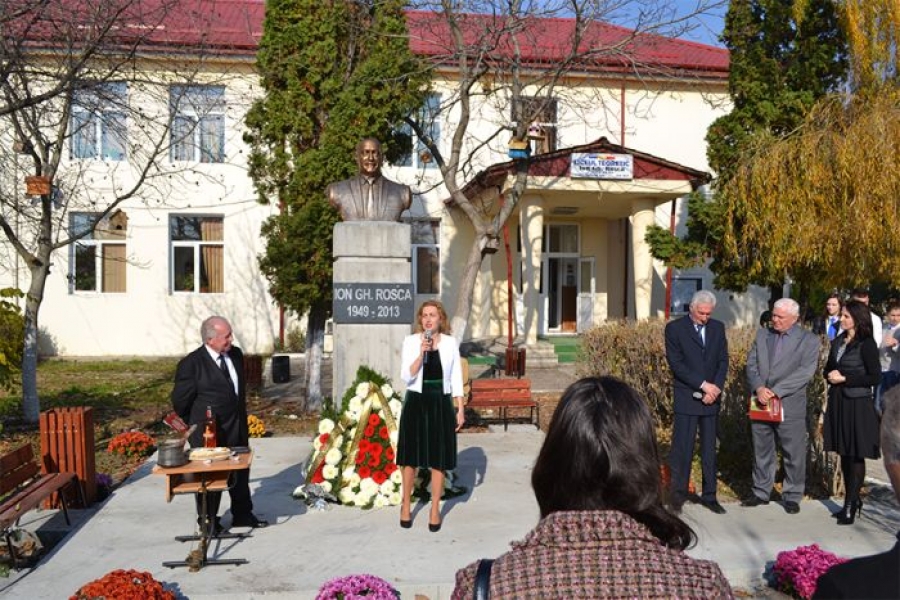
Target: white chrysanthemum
325,426
397,477
346,495
329,472
333,457
395,406
355,404
387,487
326,485
355,479
380,501
317,444
394,436
361,498
394,498
348,472
369,486
362,390
387,391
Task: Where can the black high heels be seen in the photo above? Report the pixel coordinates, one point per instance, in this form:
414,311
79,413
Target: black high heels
405,523
837,513
847,516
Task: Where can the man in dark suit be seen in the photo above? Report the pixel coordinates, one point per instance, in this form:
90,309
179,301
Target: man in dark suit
780,364
697,352
369,196
874,576
213,376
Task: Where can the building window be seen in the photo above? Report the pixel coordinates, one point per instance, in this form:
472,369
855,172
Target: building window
683,289
428,118
198,123
98,125
198,253
426,256
540,115
97,260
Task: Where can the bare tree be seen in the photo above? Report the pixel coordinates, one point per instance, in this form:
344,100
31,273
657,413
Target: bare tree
515,59
87,94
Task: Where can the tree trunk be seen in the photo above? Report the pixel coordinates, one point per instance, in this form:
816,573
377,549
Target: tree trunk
460,319
31,404
315,342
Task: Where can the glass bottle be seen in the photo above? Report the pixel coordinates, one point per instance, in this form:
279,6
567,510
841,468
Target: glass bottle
209,430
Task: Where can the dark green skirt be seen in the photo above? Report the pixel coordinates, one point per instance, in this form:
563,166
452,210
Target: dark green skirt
427,429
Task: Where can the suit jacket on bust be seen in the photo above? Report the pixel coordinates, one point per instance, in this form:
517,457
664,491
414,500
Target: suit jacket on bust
693,362
200,383
789,376
390,199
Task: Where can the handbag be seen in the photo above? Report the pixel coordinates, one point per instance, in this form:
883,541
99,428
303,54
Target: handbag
772,412
482,589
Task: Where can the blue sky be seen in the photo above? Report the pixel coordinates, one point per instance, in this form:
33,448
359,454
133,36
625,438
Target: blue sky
706,27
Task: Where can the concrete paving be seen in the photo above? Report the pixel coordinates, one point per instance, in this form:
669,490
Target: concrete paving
135,527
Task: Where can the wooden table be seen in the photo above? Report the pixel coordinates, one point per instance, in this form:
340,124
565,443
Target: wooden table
201,477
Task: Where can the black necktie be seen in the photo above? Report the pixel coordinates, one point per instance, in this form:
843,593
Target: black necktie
700,333
223,366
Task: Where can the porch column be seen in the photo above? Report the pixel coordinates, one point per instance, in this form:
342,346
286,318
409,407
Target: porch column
642,216
532,223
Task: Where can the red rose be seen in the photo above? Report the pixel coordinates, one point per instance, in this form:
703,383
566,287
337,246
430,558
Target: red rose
384,433
370,431
390,468
364,445
323,439
389,453
375,449
374,420
364,472
360,457
373,462
379,477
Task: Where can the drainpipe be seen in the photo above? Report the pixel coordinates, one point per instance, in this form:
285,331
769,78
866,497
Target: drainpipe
669,270
510,308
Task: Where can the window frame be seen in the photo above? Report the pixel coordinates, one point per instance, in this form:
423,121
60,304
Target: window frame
197,106
196,256
436,228
100,258
429,117
98,122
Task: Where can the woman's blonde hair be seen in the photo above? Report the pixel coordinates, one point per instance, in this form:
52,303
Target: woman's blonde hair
444,327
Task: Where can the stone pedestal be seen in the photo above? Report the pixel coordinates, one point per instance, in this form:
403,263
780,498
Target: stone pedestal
369,252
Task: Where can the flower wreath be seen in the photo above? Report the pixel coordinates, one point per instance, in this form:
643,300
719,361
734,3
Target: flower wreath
353,460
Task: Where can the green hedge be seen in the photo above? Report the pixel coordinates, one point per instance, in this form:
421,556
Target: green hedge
635,352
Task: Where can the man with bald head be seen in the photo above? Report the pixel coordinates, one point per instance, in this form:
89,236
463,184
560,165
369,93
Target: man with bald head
213,376
781,363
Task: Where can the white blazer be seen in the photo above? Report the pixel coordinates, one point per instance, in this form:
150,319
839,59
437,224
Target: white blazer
448,349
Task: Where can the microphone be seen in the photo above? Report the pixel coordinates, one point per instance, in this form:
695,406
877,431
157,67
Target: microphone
427,339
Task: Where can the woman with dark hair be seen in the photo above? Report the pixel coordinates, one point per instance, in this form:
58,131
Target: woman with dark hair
829,324
851,425
604,530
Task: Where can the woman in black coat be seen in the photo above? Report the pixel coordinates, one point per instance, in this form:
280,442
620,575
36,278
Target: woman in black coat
851,425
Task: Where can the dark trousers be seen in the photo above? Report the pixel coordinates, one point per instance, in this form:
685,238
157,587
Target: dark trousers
241,504
684,432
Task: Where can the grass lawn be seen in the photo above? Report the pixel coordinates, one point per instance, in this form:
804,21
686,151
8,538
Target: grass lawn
125,395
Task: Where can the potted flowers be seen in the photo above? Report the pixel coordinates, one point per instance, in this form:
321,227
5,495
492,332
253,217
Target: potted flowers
123,583
797,571
357,586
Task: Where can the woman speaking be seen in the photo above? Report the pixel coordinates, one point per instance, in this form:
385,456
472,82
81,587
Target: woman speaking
430,367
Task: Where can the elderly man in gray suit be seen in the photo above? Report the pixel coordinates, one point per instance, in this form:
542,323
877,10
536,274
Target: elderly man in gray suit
781,363
369,196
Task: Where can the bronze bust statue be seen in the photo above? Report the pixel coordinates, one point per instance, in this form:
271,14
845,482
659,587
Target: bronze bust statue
369,196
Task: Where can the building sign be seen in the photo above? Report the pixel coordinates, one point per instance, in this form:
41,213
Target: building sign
373,303
601,166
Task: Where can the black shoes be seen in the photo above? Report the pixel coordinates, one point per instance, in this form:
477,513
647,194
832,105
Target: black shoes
405,523
791,507
252,521
714,506
435,527
847,516
755,500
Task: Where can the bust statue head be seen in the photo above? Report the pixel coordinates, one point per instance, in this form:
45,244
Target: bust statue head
369,157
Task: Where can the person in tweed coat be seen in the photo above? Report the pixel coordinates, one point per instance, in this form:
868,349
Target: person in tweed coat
604,531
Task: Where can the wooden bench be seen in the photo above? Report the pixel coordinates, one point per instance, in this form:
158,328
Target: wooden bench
23,487
503,393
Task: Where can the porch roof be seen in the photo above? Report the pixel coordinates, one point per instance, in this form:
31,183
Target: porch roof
654,179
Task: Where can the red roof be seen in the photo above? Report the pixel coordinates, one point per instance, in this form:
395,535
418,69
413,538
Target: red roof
556,164
235,27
